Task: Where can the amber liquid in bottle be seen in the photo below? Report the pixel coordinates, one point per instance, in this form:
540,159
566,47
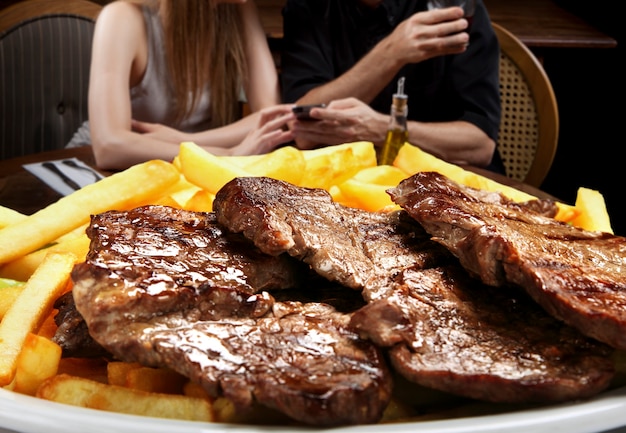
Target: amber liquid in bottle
397,133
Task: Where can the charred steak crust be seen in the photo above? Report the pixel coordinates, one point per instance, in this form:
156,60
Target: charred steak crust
165,247
576,275
450,332
170,288
300,359
440,327
343,244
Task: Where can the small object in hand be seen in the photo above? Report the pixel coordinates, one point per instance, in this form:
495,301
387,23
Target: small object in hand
303,112
468,7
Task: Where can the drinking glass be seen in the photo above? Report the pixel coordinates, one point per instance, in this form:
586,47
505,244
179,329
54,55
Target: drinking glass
467,5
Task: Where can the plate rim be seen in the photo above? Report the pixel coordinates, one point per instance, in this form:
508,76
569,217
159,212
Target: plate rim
29,414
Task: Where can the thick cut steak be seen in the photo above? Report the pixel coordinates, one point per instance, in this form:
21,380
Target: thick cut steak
576,275
170,288
442,328
343,244
451,332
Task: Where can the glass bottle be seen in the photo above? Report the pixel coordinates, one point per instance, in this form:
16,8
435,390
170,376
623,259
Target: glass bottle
397,133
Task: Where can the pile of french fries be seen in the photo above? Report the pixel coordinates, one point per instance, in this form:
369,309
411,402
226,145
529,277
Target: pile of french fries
37,253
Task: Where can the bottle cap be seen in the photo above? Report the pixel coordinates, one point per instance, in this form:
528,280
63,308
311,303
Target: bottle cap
400,99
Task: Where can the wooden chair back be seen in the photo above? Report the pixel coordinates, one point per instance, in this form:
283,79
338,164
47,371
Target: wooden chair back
45,55
529,128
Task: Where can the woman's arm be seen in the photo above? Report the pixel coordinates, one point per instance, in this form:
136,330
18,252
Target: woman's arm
119,57
261,86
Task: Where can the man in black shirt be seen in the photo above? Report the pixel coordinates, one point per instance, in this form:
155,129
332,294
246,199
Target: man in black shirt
349,54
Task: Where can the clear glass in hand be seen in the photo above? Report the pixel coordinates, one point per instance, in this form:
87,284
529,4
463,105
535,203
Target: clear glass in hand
467,5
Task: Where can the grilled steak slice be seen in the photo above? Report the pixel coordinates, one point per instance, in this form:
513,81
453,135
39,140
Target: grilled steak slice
169,288
440,326
343,244
450,332
164,248
72,333
576,275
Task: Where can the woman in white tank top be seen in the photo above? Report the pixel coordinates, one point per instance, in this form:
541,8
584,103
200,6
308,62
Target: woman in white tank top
168,71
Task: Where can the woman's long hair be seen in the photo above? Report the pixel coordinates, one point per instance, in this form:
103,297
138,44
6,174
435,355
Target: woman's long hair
204,42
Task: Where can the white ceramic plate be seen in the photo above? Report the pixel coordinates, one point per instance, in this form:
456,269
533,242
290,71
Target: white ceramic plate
32,415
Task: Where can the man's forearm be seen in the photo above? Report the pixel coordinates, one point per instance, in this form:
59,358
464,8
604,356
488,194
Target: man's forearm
459,142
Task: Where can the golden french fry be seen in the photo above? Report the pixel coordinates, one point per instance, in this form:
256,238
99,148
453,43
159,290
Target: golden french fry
9,291
243,161
368,196
206,170
23,267
134,375
49,327
381,175
10,216
368,188
179,193
117,371
30,309
87,368
285,163
593,213
159,380
126,189
38,361
339,197
201,201
194,389
412,159
82,392
332,165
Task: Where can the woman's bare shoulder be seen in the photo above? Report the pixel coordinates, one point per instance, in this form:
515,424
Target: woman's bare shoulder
122,12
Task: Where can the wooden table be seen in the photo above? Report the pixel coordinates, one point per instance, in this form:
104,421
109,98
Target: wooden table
25,193
545,24
538,23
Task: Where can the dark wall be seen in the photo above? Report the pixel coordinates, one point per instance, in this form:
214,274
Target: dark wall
589,86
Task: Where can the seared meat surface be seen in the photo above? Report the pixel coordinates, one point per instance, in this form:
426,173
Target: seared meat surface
169,288
72,334
161,248
343,244
442,328
450,332
576,275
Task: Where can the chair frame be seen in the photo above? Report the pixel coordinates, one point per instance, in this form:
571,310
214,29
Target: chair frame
27,9
545,102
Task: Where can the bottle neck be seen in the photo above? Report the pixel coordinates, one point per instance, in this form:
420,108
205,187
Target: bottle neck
398,114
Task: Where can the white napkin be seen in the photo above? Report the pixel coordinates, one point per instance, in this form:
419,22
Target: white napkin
82,176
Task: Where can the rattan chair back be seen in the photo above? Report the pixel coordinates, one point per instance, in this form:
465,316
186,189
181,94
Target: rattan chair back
529,126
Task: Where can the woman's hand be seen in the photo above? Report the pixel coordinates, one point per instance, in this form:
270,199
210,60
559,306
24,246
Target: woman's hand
271,131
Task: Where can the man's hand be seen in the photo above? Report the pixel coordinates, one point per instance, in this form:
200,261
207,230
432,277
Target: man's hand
428,34
342,121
